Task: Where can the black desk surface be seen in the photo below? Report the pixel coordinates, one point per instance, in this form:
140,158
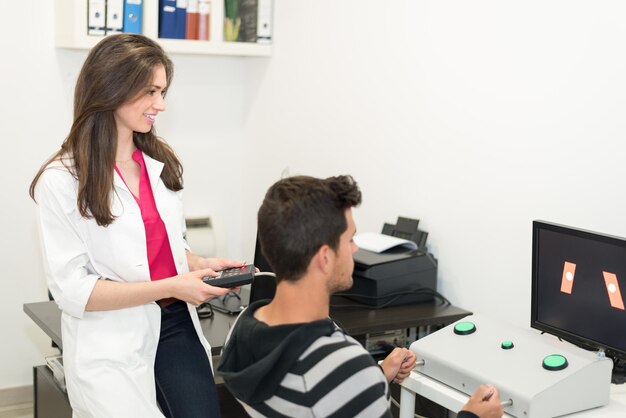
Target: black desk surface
357,319
48,317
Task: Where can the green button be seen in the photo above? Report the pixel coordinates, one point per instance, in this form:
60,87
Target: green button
464,328
554,362
507,345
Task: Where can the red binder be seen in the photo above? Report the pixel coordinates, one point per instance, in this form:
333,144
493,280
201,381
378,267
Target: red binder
204,13
191,31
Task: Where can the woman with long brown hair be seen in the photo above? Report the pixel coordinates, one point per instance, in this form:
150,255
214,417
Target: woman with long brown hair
116,259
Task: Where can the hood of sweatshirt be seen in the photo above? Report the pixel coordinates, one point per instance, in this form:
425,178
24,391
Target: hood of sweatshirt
257,357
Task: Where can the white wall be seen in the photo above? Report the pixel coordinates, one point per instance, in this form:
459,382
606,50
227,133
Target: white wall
476,117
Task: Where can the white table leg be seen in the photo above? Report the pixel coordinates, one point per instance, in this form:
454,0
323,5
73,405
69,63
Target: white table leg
407,403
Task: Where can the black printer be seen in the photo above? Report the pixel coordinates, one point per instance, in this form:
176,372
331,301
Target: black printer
396,276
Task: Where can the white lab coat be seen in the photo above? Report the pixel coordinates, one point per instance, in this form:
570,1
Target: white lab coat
108,356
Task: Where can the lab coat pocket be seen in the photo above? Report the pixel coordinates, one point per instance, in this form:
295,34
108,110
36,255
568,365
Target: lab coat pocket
122,338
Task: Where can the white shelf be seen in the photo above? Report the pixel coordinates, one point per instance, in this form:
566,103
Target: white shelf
71,31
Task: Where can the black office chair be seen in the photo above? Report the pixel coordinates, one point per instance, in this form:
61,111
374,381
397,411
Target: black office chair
264,284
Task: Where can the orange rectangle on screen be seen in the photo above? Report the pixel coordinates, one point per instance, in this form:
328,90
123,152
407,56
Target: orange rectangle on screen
567,281
612,288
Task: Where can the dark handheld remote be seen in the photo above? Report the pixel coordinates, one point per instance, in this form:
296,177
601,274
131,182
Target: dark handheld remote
232,277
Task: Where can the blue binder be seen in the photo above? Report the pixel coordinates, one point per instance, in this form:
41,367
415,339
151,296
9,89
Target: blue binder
181,19
133,16
167,18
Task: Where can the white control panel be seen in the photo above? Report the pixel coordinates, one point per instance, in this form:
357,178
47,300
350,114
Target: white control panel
538,375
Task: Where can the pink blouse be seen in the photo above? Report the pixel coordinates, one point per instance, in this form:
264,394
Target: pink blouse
160,258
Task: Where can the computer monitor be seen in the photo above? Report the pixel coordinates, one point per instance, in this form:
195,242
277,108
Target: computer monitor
579,287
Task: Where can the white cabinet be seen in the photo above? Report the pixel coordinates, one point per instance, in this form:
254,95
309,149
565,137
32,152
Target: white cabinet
71,31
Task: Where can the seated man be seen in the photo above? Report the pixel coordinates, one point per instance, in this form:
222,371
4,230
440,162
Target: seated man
286,357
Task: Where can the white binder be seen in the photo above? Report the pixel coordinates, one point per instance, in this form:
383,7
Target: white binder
264,21
96,20
115,16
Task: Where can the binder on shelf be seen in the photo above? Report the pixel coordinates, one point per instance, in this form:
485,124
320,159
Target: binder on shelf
167,18
114,16
248,13
264,23
232,20
191,30
204,19
133,16
96,17
181,19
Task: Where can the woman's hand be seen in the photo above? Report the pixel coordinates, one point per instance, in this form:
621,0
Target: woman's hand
190,287
196,262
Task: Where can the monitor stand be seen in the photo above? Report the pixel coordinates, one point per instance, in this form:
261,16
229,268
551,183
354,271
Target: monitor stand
618,376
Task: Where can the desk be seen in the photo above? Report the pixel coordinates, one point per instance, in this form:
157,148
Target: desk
357,319
454,400
48,317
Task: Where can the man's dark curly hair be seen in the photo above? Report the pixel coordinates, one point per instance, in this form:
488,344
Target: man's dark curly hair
299,215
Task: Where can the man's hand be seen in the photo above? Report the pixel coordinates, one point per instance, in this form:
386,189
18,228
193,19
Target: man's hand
485,402
398,364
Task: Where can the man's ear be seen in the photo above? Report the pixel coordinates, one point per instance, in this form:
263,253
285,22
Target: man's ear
324,258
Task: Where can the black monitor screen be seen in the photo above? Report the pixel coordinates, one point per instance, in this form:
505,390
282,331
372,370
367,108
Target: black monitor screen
578,287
